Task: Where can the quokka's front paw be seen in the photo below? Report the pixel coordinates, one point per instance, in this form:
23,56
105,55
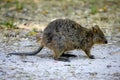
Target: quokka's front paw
92,57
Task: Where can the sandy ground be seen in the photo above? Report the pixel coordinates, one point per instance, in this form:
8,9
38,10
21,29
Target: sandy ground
42,66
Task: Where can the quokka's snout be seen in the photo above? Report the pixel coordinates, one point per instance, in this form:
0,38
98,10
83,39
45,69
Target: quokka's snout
98,35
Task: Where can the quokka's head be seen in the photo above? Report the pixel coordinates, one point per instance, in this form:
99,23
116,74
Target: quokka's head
98,36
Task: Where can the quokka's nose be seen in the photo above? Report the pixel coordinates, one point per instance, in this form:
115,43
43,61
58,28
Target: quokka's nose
106,42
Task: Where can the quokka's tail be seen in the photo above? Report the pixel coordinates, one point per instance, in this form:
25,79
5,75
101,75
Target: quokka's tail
27,53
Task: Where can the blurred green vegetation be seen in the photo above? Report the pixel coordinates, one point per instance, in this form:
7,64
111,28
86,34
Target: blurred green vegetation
25,10
7,25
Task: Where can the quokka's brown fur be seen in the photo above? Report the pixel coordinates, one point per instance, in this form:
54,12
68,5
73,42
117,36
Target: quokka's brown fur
62,35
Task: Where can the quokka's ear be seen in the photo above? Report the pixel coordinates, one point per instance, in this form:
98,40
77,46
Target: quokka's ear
95,28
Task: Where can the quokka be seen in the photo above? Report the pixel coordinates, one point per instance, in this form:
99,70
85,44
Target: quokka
62,35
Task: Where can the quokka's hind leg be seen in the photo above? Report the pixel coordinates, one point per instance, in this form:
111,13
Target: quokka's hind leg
68,55
59,47
57,56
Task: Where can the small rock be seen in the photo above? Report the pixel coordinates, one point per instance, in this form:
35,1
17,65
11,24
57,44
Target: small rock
108,66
